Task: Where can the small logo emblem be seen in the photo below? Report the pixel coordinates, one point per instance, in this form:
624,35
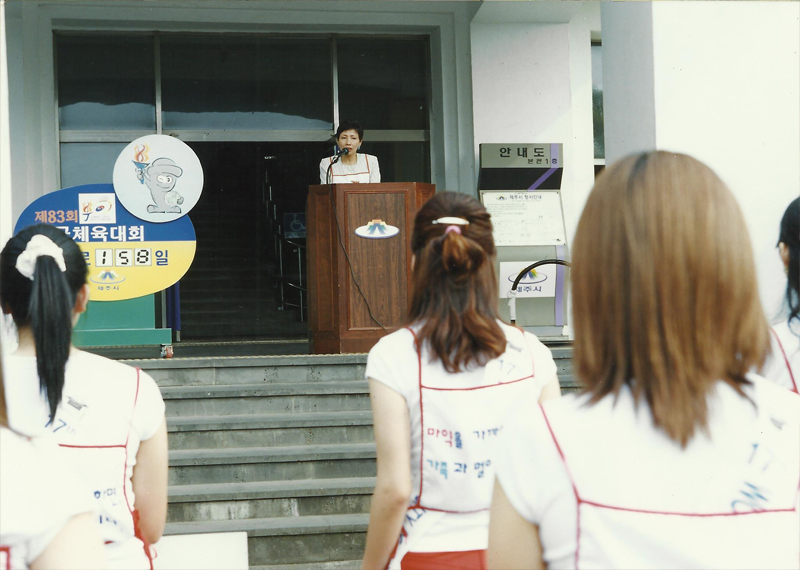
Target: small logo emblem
529,278
107,277
377,229
97,208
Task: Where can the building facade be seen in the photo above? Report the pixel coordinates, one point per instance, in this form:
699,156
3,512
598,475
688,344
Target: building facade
243,80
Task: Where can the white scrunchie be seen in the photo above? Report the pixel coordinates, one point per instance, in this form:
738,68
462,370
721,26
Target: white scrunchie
37,246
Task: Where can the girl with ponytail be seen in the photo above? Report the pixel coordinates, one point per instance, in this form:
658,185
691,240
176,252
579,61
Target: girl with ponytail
783,367
43,523
107,417
441,389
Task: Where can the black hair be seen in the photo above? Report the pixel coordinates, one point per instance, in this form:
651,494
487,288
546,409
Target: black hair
45,303
348,125
790,235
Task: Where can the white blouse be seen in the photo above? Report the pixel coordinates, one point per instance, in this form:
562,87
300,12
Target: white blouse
365,170
610,490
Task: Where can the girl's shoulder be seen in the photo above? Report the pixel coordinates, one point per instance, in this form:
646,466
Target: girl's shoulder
788,334
397,344
93,366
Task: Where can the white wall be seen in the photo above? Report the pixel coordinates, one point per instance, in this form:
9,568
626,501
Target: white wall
521,83
724,79
531,83
728,80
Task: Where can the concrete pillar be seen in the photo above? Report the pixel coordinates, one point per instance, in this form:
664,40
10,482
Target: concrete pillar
6,220
719,81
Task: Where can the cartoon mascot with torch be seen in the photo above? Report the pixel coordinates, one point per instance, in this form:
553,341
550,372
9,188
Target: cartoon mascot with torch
160,176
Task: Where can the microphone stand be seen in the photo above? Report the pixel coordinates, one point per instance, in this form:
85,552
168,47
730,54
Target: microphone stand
329,175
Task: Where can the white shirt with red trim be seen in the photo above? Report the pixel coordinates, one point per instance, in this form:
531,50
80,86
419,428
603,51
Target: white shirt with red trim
365,170
449,513
609,490
107,409
39,494
783,366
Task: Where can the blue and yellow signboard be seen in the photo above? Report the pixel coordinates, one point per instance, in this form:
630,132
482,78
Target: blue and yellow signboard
127,257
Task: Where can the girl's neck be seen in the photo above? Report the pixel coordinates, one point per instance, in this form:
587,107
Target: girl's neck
27,345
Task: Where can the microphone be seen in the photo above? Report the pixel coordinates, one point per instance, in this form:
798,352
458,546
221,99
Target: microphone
342,151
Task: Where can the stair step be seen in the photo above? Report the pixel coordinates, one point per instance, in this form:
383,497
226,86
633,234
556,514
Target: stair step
272,430
291,540
270,499
249,464
263,389
254,369
269,454
256,421
331,565
262,398
270,489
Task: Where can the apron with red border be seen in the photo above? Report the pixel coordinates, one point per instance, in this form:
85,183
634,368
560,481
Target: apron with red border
760,516
460,427
102,456
361,174
785,358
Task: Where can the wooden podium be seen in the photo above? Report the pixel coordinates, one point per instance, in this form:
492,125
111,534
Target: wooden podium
339,318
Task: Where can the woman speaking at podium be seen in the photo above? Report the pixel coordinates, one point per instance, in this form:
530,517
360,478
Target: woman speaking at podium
348,165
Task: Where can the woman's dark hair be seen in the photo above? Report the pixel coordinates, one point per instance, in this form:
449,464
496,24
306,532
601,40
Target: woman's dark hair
44,304
790,235
348,125
454,299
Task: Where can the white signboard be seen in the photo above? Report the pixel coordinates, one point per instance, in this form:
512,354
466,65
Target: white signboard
158,178
525,217
541,282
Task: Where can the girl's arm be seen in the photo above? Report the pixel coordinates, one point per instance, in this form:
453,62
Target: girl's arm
513,542
393,486
149,482
551,390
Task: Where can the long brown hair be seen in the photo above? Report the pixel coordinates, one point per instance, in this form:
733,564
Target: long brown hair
454,300
665,297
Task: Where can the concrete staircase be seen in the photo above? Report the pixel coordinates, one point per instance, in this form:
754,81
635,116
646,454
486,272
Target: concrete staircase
278,446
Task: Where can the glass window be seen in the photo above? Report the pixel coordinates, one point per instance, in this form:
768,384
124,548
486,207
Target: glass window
597,102
402,161
88,163
245,83
106,82
383,83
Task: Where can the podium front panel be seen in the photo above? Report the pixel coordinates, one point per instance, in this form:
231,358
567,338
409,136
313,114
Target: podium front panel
373,222
378,262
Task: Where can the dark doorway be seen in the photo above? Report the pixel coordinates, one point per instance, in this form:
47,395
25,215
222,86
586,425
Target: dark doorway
235,287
